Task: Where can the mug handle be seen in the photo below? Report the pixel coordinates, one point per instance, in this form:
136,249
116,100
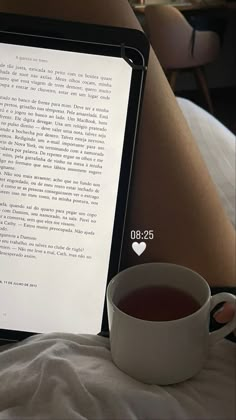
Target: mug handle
230,326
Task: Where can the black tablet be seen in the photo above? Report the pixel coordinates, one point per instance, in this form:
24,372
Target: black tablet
70,98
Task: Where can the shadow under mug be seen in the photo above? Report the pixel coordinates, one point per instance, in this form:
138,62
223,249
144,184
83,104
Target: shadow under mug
163,352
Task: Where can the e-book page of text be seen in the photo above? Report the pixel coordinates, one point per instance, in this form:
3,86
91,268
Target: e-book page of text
62,124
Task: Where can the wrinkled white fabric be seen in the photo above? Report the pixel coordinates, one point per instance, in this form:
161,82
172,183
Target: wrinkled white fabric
217,145
66,376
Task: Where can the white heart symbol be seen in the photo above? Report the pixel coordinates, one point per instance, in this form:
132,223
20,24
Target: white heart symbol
139,248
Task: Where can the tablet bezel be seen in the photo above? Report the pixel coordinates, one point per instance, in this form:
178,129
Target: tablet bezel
133,47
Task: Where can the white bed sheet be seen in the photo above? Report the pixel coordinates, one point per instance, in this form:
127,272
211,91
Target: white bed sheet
65,376
217,145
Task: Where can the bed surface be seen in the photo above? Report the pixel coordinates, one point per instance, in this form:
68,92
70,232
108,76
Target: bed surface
217,146
65,376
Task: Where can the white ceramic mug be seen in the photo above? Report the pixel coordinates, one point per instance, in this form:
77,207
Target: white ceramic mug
163,352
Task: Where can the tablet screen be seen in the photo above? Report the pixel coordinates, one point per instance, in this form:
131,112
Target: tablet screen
62,123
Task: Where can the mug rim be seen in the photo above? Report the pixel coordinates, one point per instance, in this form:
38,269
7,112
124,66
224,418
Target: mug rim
115,307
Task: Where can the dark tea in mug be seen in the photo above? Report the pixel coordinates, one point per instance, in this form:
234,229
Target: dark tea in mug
158,303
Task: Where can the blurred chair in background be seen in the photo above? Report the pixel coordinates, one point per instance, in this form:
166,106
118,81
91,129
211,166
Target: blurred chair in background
179,46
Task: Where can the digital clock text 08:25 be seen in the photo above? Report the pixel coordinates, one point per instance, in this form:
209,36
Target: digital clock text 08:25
141,234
